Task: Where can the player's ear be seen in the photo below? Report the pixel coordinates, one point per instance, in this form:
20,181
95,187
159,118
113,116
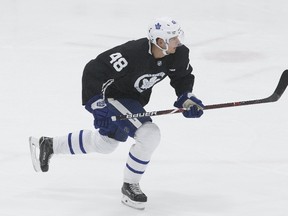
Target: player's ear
160,42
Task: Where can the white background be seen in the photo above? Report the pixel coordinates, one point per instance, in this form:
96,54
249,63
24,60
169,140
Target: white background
230,162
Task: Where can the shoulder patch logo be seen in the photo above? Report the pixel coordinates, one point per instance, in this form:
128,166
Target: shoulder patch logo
147,81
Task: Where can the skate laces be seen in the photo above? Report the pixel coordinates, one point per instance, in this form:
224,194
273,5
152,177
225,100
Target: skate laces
135,188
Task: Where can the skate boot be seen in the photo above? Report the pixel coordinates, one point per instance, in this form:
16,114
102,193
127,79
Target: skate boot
46,152
133,196
41,152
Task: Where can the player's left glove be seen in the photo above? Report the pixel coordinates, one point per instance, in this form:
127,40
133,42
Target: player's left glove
193,105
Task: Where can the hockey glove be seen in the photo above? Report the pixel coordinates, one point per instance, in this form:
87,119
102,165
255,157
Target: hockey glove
102,119
101,113
193,105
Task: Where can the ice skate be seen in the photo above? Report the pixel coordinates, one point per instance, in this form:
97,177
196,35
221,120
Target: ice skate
133,196
41,151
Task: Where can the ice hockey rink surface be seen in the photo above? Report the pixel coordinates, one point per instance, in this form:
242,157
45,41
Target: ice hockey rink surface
230,162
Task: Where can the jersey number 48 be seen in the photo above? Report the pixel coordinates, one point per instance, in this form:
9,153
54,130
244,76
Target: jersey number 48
118,61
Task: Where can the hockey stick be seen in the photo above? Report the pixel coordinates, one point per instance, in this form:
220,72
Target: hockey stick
282,84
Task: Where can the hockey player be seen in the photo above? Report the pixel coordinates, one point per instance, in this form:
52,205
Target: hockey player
119,81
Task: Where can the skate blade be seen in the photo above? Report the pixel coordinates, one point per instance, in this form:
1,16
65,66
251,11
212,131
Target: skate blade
34,150
136,205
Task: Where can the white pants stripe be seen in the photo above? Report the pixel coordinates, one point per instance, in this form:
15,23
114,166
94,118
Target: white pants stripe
123,110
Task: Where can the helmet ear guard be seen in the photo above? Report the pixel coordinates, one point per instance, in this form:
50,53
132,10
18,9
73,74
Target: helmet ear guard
164,28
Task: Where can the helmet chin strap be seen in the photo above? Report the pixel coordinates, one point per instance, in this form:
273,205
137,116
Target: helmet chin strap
164,51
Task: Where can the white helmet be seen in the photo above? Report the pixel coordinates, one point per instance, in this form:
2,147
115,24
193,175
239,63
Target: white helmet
164,28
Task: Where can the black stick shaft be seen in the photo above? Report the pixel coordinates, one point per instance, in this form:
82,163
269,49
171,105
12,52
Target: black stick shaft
282,84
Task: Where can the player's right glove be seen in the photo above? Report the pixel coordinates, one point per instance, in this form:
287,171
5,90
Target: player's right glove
193,105
101,113
102,119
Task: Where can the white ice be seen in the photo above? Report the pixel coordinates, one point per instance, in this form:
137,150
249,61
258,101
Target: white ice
231,162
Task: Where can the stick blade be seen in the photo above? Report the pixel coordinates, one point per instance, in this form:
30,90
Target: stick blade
283,82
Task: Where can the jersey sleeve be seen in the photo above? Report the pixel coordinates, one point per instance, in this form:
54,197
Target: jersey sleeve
180,72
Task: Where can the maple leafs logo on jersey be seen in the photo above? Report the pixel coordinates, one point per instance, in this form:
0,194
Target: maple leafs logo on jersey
147,81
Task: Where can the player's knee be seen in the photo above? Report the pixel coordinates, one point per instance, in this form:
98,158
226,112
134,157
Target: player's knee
148,135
